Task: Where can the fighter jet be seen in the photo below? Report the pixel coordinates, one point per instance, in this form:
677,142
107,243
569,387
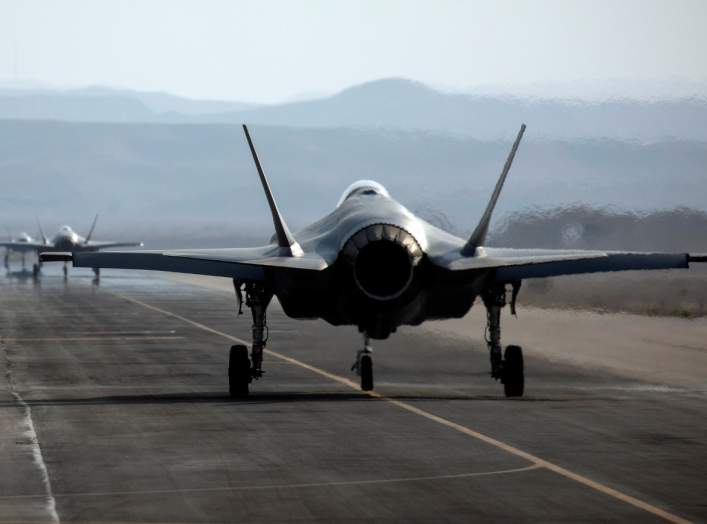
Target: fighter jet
22,243
65,240
373,264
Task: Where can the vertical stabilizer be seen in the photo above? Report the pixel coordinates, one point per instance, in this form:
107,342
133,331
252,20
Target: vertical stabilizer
90,231
478,237
45,239
285,239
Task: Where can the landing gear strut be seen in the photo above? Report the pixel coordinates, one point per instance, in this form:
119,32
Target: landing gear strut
363,366
66,271
508,370
241,369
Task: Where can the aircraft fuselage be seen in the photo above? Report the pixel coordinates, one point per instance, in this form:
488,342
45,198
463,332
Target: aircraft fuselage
382,277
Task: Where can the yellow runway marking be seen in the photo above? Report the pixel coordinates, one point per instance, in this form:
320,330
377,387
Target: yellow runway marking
298,485
541,463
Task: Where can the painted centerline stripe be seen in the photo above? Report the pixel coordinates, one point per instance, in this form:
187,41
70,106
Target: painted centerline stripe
542,463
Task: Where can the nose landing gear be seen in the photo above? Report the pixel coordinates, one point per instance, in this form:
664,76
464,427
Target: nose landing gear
507,368
363,366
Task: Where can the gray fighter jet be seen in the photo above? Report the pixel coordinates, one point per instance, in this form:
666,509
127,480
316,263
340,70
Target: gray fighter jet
22,243
65,240
371,263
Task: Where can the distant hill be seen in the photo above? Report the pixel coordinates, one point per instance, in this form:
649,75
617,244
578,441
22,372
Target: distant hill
181,180
393,104
99,104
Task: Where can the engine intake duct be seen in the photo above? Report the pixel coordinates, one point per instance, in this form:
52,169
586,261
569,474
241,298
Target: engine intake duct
383,258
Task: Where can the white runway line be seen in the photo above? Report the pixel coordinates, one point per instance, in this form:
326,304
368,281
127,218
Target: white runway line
297,485
31,435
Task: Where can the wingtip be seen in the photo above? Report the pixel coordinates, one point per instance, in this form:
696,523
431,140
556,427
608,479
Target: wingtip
697,257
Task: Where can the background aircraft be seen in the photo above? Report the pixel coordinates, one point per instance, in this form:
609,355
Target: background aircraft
374,264
65,240
22,243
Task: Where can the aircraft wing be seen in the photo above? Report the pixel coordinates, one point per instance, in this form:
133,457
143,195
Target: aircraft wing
518,264
23,246
238,263
93,245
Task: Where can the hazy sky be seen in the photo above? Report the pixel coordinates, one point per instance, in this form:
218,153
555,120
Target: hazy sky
268,51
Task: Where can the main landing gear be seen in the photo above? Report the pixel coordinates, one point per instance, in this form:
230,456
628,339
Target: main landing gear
363,366
507,368
242,369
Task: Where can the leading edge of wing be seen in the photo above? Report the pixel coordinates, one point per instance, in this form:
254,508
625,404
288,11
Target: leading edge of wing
257,256
246,264
107,244
493,258
23,246
613,261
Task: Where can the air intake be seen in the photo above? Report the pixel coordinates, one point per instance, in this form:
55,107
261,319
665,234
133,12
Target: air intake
383,258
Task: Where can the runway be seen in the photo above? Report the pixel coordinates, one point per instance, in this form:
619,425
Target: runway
113,408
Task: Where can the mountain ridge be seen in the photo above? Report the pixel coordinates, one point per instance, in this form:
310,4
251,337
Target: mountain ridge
390,103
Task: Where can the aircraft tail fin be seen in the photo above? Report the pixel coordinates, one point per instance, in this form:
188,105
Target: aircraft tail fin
90,231
45,240
285,239
479,235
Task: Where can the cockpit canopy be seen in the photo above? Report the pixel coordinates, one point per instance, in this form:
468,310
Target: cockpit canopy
66,230
363,188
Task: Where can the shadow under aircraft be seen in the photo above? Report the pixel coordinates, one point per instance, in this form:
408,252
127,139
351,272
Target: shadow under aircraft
65,240
374,264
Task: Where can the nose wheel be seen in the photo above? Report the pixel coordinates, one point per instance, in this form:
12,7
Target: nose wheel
363,366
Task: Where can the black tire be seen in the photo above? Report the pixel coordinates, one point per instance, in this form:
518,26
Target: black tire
238,371
366,370
513,375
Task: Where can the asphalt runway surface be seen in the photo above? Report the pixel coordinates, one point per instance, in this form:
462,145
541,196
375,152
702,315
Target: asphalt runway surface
113,408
